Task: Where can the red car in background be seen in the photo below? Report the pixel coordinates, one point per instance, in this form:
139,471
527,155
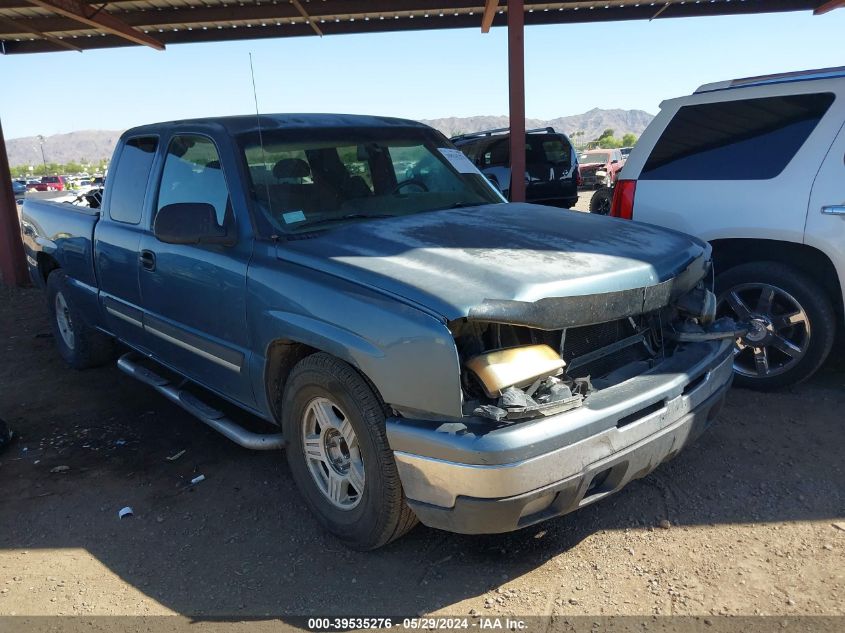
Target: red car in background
48,183
599,167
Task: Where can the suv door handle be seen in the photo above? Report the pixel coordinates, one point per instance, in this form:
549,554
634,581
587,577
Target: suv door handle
147,259
834,209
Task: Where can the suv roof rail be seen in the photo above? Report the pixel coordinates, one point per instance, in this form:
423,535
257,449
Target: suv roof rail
460,137
776,78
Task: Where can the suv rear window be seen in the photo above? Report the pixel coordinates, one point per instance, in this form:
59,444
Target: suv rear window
751,139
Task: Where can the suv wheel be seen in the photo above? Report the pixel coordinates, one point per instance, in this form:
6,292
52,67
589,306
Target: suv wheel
792,323
600,202
338,453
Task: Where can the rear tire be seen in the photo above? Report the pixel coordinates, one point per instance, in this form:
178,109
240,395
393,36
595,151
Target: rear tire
600,201
793,321
339,456
78,344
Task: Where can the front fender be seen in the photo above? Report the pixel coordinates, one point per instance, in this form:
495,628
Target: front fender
409,355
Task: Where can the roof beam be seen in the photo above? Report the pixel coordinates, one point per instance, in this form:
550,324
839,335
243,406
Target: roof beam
307,17
490,7
99,19
828,6
45,36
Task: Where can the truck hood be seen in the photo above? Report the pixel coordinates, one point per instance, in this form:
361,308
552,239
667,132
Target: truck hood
484,261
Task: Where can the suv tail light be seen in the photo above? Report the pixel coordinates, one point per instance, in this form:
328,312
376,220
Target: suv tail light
622,205
578,179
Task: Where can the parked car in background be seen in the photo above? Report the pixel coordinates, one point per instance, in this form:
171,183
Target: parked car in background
625,151
429,351
758,164
18,187
551,163
599,167
48,183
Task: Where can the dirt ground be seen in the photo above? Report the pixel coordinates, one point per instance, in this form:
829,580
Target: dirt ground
751,507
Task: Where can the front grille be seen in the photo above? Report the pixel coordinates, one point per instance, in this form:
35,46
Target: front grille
589,338
582,348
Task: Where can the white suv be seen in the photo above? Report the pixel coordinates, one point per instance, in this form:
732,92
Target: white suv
756,167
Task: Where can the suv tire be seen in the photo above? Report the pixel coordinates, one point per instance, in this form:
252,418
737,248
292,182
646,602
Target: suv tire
793,323
339,456
80,345
600,201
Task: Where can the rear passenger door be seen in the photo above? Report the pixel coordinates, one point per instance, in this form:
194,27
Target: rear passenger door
826,213
118,237
194,295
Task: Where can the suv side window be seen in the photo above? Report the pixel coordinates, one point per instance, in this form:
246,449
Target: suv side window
192,173
129,184
750,139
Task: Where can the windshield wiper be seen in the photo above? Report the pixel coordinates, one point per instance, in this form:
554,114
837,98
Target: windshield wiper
348,216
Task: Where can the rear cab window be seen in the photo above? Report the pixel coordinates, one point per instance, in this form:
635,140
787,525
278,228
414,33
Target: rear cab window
749,139
129,183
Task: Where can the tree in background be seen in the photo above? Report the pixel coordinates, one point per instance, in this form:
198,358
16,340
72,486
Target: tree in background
629,140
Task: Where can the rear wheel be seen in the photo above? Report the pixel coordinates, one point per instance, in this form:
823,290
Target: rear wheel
792,323
81,346
600,201
338,453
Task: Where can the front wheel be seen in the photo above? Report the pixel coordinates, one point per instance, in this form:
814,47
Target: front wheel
792,323
338,453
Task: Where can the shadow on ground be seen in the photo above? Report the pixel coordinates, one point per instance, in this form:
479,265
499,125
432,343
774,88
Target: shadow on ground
241,543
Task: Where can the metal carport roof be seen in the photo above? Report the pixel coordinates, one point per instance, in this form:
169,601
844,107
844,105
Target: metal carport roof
33,26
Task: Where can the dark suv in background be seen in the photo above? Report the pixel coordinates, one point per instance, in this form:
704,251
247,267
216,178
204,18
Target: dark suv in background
551,163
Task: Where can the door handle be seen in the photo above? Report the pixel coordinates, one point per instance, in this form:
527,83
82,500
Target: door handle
147,259
834,209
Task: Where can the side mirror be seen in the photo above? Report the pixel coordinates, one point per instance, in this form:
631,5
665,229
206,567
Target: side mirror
190,223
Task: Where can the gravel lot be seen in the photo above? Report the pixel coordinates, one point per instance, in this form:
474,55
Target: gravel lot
744,522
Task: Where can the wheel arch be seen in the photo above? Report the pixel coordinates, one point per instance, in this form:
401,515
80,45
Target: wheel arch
728,253
46,264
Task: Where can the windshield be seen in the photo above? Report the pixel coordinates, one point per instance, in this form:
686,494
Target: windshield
594,157
328,177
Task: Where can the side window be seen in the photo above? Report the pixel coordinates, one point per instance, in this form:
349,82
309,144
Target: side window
751,139
129,183
192,173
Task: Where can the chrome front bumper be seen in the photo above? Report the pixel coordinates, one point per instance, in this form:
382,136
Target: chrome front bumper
468,481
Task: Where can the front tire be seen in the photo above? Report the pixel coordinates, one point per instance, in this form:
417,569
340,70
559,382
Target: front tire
793,323
78,344
338,453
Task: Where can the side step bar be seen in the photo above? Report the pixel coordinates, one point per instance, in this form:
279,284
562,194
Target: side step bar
190,403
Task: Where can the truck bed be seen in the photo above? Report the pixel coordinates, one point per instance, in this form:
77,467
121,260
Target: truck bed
61,232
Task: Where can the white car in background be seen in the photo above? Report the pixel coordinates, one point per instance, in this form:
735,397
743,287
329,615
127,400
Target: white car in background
756,167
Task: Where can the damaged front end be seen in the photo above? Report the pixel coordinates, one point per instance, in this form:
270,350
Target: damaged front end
547,358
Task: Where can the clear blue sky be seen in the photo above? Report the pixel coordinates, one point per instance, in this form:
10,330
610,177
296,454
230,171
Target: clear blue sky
427,74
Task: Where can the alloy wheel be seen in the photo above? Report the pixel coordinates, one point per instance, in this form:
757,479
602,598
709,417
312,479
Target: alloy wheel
332,453
779,329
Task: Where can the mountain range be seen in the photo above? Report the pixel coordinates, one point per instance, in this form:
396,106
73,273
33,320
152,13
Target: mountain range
96,145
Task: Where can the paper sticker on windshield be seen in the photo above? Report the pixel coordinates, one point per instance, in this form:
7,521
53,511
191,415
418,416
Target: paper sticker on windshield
293,216
458,160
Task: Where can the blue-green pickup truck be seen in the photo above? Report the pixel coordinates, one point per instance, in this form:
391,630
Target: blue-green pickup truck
428,351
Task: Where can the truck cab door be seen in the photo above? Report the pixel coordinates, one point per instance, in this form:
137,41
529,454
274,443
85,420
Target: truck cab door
194,295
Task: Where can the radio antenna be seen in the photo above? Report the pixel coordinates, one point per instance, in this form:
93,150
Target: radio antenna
260,135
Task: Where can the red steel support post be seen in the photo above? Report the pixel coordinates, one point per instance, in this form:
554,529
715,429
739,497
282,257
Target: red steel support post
516,80
12,263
